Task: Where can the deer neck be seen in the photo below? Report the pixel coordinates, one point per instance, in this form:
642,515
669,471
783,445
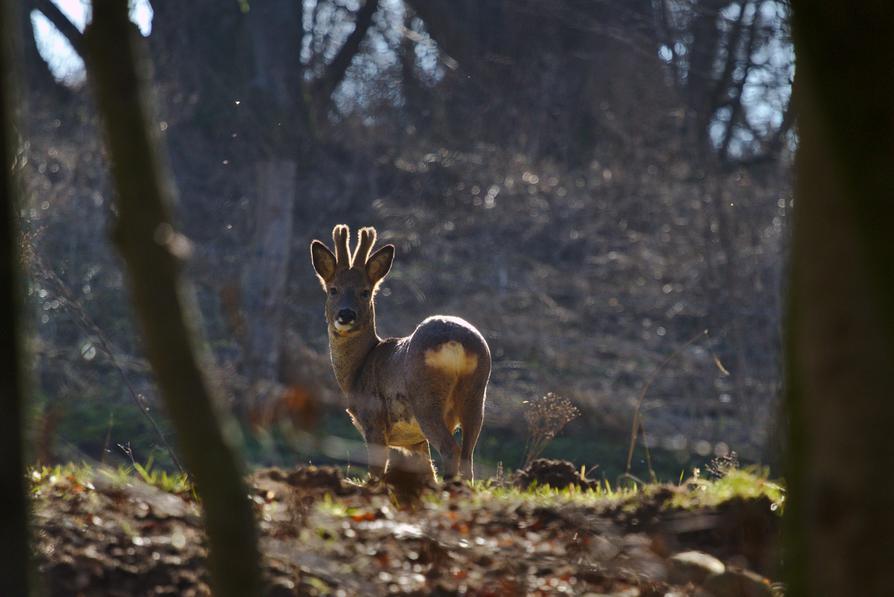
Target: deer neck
349,354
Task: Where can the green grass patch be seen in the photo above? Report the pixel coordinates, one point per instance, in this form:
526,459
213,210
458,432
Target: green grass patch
749,483
79,476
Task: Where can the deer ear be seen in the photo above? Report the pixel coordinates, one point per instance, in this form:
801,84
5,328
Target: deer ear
323,260
379,263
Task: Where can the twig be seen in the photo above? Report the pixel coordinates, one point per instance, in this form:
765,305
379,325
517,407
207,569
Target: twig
90,327
636,425
62,24
108,440
642,431
633,478
128,451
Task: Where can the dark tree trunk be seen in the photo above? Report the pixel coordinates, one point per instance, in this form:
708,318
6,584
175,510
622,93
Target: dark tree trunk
152,250
14,548
841,312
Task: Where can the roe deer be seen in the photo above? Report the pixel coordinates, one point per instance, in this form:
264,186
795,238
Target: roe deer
402,393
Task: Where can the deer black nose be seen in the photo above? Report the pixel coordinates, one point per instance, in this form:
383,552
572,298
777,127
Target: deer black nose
346,316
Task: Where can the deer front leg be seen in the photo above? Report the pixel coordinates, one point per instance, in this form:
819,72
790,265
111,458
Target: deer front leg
413,460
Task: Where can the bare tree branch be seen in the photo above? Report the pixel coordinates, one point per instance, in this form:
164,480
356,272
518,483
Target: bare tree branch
736,110
447,31
335,72
669,36
62,23
732,53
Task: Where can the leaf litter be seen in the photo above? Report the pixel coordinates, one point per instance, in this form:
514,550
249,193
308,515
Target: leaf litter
322,534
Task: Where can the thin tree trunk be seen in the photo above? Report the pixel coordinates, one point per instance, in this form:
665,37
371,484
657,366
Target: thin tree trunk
275,34
267,268
291,116
152,251
841,311
14,544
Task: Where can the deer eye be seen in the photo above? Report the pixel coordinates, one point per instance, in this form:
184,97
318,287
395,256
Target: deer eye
333,291
365,294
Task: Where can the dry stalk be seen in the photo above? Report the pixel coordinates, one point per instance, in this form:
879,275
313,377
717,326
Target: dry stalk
546,417
636,425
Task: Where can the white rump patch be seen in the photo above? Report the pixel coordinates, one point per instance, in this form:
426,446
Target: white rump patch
451,357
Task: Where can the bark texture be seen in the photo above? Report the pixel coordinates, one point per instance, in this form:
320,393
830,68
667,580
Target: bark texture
153,250
267,268
14,548
841,324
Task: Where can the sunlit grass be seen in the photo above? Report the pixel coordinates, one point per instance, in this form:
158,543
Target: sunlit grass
483,491
691,493
748,483
162,479
79,476
71,473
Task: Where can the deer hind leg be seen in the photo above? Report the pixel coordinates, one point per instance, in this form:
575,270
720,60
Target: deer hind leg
471,420
435,429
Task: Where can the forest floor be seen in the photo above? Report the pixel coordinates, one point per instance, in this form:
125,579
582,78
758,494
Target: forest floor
110,532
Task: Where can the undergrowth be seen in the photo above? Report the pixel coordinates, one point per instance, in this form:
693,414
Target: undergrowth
84,474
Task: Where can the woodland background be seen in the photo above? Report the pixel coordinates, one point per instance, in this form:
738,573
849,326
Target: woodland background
592,183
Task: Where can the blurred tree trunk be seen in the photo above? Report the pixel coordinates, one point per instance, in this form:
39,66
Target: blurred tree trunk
841,317
153,251
266,271
258,93
275,95
14,543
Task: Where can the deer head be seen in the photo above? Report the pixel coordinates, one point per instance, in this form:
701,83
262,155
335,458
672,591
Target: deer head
350,281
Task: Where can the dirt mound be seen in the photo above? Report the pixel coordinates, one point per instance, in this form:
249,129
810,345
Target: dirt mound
558,474
313,480
327,478
746,532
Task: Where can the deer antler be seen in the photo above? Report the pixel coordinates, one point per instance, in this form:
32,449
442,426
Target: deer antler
340,238
366,238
